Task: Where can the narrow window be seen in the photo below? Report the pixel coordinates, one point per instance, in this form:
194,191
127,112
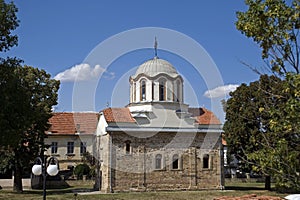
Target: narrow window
206,161
70,148
54,148
173,92
158,161
82,148
162,90
127,147
131,92
152,91
178,91
134,91
143,91
175,162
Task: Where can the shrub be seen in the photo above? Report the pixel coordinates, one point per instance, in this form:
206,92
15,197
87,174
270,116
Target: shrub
81,169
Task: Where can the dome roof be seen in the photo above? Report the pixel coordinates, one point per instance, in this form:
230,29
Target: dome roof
156,66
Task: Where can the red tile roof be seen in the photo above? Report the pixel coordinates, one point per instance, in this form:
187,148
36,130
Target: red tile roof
68,123
204,116
118,115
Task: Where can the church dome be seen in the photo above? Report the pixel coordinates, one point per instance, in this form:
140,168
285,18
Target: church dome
156,80
156,66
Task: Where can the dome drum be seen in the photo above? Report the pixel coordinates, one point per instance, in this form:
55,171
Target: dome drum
156,80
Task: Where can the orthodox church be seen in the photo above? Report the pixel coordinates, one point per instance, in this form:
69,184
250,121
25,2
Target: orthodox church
157,142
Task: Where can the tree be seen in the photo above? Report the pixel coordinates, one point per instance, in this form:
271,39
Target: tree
262,128
246,118
81,169
259,130
9,22
282,158
274,26
28,97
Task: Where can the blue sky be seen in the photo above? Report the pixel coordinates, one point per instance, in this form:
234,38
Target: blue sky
58,35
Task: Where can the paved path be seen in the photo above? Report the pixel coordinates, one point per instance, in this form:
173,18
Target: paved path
8,183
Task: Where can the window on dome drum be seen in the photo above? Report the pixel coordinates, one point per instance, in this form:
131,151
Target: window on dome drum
152,90
205,161
127,147
70,148
143,91
134,91
162,90
158,161
82,148
175,161
54,148
178,91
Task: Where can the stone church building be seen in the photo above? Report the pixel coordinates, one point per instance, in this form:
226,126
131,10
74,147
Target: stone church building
157,142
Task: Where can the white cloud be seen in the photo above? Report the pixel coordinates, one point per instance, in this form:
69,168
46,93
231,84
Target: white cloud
220,91
83,72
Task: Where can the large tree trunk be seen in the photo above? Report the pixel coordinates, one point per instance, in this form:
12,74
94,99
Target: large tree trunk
268,182
18,187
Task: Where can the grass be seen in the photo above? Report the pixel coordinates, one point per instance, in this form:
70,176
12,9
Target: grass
245,186
234,189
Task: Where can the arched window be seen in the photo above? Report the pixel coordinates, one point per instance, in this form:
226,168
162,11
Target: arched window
205,161
143,91
127,147
158,161
175,161
162,90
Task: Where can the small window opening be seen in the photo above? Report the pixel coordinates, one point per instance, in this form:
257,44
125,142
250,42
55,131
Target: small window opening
175,162
206,161
127,147
158,161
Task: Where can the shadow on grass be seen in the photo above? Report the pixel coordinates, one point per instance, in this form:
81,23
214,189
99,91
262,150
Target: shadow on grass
243,188
58,191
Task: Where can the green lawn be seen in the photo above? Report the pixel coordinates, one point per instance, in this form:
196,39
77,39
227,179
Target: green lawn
256,188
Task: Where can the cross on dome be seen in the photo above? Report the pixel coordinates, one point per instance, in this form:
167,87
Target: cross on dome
155,48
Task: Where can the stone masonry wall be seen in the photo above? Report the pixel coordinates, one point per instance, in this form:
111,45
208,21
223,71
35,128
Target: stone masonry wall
132,158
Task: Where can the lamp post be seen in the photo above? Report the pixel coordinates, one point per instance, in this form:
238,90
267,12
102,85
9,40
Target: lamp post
42,167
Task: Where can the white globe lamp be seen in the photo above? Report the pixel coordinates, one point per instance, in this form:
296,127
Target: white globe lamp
37,169
52,170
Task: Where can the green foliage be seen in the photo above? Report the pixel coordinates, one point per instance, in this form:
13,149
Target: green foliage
274,26
93,170
27,96
262,128
9,22
247,114
81,169
285,122
281,162
88,158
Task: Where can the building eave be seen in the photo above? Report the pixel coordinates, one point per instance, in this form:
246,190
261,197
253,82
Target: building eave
159,129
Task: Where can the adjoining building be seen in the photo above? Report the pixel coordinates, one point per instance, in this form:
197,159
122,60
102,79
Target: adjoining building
71,135
158,142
